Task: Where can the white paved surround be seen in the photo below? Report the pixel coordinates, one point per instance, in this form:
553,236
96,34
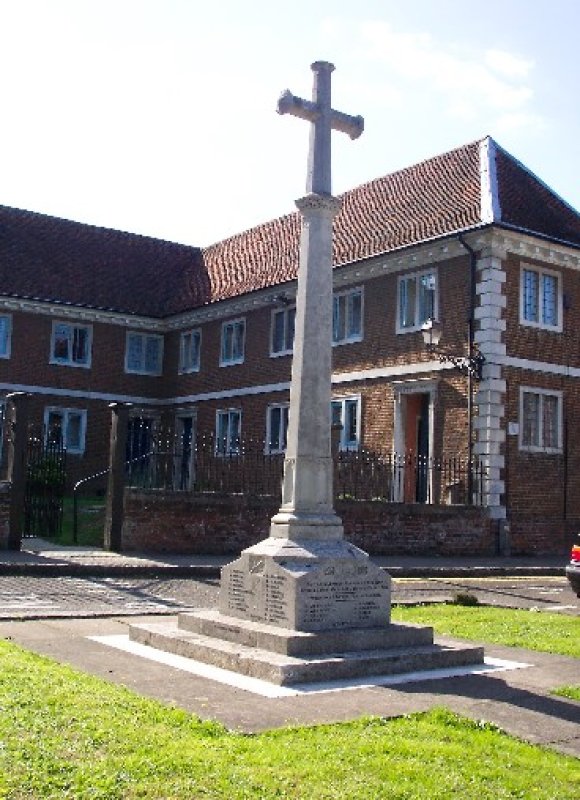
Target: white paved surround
273,691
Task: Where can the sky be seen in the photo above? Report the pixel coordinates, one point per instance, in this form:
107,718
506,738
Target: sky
159,116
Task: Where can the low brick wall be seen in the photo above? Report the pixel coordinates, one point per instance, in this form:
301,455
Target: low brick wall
542,535
5,492
407,529
176,522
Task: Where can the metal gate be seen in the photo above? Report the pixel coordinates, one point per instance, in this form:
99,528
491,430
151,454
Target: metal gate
45,483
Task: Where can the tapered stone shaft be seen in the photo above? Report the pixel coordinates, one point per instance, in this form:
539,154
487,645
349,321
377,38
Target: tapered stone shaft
307,494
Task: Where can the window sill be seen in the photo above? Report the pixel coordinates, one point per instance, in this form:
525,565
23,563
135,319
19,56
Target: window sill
546,451
352,340
57,363
414,329
540,326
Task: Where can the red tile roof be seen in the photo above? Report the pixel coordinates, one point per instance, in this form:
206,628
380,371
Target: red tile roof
528,204
45,258
431,199
67,262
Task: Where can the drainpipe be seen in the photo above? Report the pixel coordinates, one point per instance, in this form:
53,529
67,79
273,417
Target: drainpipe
470,336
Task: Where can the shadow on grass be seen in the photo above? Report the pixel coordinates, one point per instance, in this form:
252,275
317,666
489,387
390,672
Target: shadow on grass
492,688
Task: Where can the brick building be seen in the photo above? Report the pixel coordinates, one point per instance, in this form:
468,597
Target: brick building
203,337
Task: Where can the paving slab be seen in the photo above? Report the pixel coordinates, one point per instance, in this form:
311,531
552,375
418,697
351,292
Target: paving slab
517,700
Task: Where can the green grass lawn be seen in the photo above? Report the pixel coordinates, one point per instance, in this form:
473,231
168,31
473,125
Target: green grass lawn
533,630
90,521
68,735
571,692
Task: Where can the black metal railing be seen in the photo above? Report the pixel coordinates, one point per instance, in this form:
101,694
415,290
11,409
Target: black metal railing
248,468
407,478
45,484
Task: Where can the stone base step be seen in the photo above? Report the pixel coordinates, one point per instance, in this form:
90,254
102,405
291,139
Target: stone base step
210,622
286,670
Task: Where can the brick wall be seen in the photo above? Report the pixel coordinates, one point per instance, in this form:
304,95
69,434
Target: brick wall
530,535
182,523
543,485
538,486
539,344
30,357
381,346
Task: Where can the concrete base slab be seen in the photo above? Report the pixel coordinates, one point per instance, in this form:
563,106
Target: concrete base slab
267,689
413,652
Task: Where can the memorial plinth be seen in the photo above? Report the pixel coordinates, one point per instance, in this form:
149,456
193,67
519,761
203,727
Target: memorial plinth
304,612
306,585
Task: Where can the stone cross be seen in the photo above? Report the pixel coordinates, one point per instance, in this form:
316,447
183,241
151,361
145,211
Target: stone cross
324,119
307,494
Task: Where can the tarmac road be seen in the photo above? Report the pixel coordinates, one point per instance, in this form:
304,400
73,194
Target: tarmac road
41,597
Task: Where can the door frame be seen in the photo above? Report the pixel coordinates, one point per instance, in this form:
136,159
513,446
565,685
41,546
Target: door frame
181,414
402,390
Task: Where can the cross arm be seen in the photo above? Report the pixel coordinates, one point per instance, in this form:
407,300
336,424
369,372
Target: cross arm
288,103
352,126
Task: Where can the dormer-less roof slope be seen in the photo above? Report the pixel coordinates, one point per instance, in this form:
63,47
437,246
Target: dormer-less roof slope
428,200
56,260
528,205
473,186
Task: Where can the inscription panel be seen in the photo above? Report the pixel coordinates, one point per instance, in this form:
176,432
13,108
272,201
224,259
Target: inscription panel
307,596
337,602
258,592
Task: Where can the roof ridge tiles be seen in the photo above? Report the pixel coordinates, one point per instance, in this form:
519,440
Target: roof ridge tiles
89,227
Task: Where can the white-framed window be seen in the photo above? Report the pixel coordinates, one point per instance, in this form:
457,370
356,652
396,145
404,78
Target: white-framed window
345,411
228,429
143,353
347,316
540,420
5,335
276,428
189,351
541,298
66,426
417,300
233,342
71,344
282,331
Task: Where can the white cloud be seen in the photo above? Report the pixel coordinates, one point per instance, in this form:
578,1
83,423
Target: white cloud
514,122
469,84
508,64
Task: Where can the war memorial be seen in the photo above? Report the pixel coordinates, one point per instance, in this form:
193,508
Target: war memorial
304,605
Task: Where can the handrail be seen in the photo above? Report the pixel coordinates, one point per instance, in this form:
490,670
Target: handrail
82,481
77,485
